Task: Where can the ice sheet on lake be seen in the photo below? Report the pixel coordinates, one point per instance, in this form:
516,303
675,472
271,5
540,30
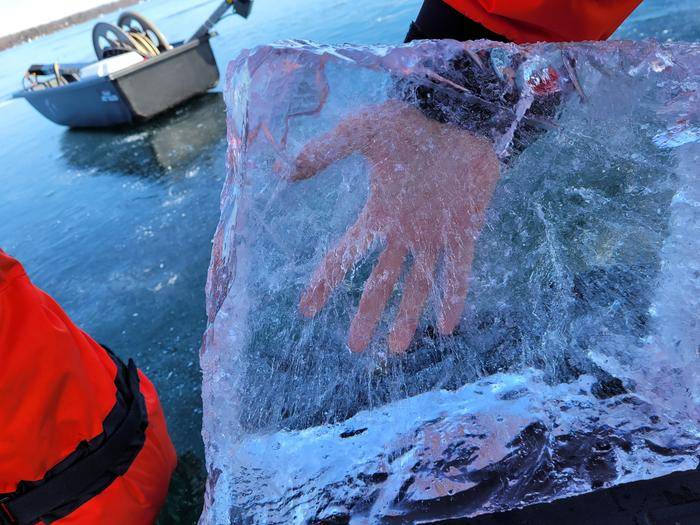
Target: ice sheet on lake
575,363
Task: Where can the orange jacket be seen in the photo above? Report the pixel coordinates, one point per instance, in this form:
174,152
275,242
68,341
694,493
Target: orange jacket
524,21
57,386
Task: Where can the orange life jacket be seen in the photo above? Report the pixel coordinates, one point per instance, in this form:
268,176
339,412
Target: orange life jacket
58,387
524,21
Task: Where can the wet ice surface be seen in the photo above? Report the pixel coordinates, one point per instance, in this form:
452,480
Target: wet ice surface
574,363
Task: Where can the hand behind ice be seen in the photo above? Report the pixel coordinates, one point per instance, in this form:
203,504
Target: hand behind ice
430,186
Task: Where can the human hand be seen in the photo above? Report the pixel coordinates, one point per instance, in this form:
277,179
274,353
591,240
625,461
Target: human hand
430,186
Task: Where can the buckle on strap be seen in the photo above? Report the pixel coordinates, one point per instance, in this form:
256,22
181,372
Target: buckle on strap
6,517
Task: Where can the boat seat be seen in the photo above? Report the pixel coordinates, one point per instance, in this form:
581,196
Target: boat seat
110,65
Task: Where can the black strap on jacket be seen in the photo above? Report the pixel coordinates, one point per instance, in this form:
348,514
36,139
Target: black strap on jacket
437,20
92,466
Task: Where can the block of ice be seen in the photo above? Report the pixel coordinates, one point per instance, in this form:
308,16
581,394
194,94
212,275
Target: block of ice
370,190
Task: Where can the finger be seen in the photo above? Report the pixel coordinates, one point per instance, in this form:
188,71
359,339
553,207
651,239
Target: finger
302,168
330,273
376,294
415,294
458,263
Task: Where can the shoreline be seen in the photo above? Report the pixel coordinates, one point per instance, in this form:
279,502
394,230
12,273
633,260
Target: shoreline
14,39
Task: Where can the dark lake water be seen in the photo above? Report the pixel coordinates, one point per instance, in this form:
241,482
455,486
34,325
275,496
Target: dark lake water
117,225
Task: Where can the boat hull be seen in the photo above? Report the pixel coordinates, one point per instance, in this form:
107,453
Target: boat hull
134,94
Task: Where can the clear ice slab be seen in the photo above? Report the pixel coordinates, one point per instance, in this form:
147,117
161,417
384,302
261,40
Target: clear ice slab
555,184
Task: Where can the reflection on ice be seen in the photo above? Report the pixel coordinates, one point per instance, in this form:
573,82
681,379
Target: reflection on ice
372,190
153,148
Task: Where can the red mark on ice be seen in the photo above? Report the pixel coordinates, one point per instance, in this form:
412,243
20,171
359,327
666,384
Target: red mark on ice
545,81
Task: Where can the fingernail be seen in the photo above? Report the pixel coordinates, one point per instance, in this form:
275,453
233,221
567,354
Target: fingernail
357,342
356,346
442,326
